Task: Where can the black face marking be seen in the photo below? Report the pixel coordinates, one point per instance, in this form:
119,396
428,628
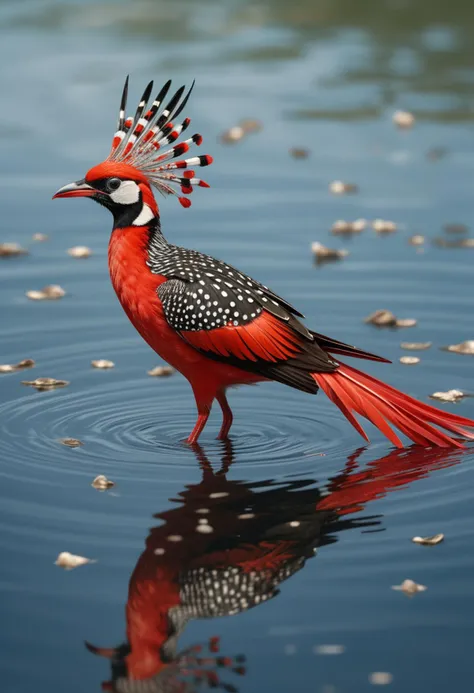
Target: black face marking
124,214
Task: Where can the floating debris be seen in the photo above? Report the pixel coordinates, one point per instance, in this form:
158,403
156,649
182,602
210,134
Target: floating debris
40,237
329,649
342,227
69,561
79,251
323,254
102,363
416,346
409,587
449,396
233,134
161,371
250,125
14,367
409,360
71,442
12,250
457,243
380,678
455,228
45,383
403,119
385,318
337,187
384,226
466,347
429,541
417,239
299,153
101,483
48,293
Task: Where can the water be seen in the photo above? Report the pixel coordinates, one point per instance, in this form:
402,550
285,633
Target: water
325,76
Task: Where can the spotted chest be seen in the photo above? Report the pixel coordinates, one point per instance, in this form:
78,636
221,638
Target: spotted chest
203,293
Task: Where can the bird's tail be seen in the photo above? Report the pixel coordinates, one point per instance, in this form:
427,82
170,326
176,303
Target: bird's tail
355,392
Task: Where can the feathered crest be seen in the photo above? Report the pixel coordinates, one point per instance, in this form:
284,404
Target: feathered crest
141,141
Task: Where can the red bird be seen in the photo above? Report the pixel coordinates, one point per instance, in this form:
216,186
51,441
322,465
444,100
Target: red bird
214,324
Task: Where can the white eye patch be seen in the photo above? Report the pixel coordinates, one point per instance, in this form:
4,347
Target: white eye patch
126,194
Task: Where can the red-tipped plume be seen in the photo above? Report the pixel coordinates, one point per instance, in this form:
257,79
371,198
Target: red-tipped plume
356,392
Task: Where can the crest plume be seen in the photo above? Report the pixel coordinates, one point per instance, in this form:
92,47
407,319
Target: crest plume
147,142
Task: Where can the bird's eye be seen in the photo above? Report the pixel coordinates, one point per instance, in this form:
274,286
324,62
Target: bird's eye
113,184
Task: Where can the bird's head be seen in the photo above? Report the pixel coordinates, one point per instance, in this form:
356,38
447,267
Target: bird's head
144,154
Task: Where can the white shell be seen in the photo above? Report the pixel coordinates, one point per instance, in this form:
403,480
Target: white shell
409,360
429,541
102,363
69,561
101,483
403,119
449,396
80,251
409,587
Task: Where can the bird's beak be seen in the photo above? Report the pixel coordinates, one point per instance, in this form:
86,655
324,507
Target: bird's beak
78,189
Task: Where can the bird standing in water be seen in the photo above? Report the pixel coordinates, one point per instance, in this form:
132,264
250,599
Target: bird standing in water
213,323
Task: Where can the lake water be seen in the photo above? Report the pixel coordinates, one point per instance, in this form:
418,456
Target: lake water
327,77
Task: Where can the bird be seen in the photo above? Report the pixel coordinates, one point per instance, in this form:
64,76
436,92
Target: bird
227,546
213,323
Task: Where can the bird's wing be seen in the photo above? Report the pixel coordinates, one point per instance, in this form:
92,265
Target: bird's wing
232,319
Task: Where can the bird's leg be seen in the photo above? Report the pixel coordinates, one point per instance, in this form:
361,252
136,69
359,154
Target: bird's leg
227,414
203,414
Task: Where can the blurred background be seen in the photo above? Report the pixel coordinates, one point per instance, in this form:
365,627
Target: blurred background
322,80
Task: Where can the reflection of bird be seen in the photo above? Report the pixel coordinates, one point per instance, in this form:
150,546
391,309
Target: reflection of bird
217,326
228,546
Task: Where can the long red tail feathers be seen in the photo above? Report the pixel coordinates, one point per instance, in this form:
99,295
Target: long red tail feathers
355,392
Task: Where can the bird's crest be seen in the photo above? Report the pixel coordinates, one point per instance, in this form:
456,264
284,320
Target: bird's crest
142,141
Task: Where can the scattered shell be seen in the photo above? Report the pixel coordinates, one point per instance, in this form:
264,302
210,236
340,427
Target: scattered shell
409,360
45,383
466,243
380,678
381,318
342,227
40,237
233,134
69,561
329,649
80,251
337,187
384,226
466,347
161,371
416,240
406,322
250,125
455,228
409,587
456,243
299,153
48,293
101,483
102,363
12,250
449,396
403,119
71,442
14,367
429,541
322,253
415,346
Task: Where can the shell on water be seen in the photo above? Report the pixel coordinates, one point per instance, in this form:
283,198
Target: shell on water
466,347
380,678
45,383
47,293
12,250
347,228
403,119
417,239
448,396
40,237
338,187
14,367
385,318
101,483
161,371
71,442
416,346
102,363
409,587
429,541
79,251
409,360
321,252
384,226
299,152
69,561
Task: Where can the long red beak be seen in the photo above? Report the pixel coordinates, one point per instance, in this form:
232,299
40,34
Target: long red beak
78,189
